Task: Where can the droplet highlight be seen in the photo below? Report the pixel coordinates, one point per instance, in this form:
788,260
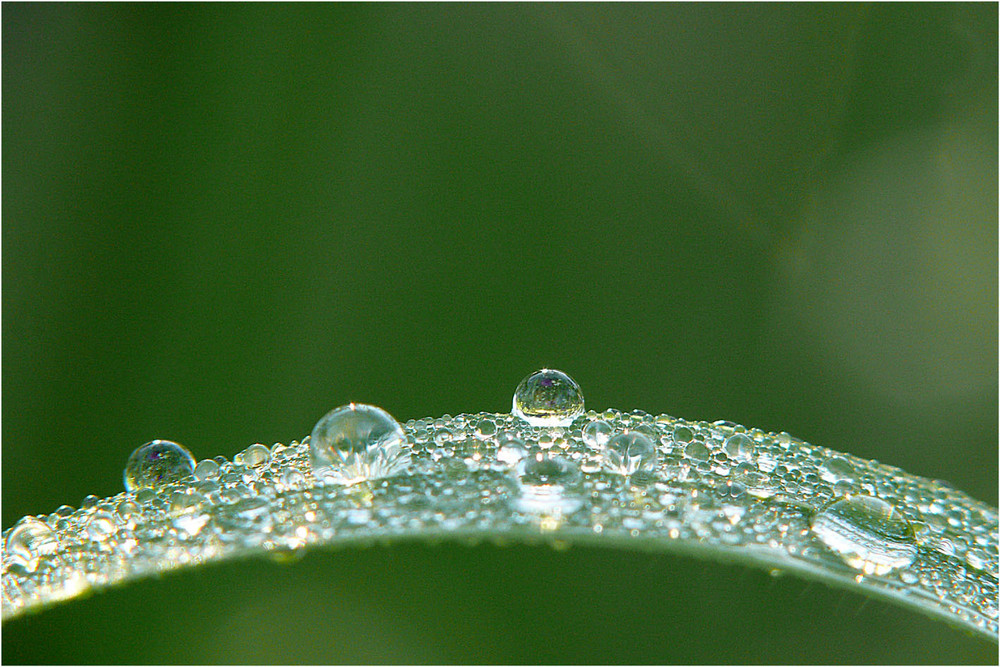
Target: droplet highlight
548,398
868,533
357,442
156,464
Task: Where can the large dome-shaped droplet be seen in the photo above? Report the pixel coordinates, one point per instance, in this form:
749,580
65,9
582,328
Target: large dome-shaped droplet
630,452
548,398
157,463
356,442
868,533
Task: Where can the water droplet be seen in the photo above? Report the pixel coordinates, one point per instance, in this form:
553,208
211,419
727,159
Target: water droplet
548,398
206,470
29,540
186,503
739,447
157,463
293,479
630,452
127,509
597,433
485,429
683,434
511,451
101,525
758,484
545,469
697,450
356,442
254,456
869,534
548,484
837,469
247,516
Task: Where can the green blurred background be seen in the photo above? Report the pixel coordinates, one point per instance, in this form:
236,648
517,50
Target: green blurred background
220,221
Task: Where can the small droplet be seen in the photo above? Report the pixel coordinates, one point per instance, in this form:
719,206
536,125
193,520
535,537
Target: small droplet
548,484
870,534
697,450
293,479
254,456
485,429
544,469
206,469
127,509
739,447
101,525
157,463
630,452
356,442
511,451
29,540
597,433
186,503
548,398
683,434
837,469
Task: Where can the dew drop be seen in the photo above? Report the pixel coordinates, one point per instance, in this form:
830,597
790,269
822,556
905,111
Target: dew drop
630,452
837,469
356,442
206,469
511,451
29,540
683,434
485,429
597,433
293,479
739,447
548,398
127,509
254,456
101,525
157,463
697,450
549,484
868,533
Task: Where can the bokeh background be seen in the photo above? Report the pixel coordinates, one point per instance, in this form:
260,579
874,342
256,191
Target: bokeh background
220,221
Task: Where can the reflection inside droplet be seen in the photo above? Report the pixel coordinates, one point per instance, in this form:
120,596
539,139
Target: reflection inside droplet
548,398
869,534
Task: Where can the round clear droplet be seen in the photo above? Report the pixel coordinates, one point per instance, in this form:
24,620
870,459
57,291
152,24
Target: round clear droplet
549,484
356,442
156,464
548,398
630,452
739,447
511,451
254,456
597,433
837,469
868,533
101,525
29,540
697,450
206,469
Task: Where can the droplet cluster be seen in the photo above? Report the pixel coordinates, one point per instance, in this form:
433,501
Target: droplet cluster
764,498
